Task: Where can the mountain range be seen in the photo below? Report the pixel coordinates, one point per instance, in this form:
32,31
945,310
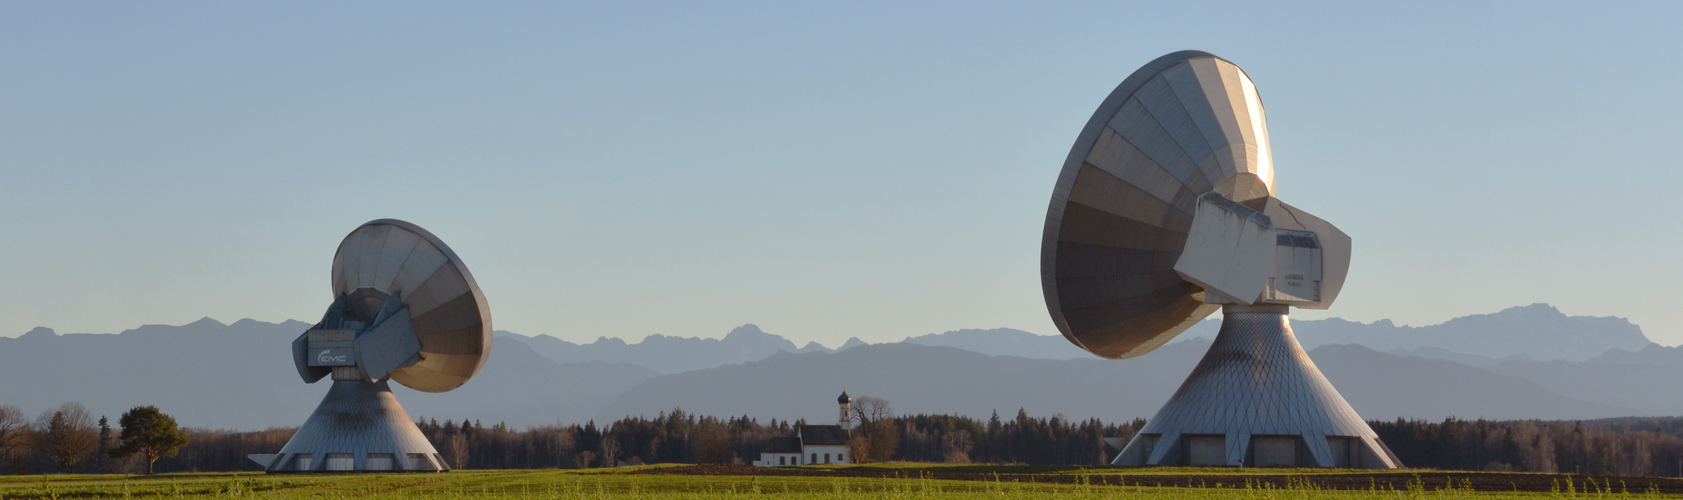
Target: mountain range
1537,331
666,354
240,375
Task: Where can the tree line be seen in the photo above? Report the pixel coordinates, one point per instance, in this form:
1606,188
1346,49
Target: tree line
65,439
681,437
1622,446
75,444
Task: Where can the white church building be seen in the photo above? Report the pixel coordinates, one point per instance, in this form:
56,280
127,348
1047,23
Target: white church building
812,444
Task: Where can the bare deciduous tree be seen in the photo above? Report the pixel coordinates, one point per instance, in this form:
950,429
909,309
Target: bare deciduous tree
14,429
859,447
885,439
957,446
867,409
65,434
558,442
610,452
455,451
877,436
582,459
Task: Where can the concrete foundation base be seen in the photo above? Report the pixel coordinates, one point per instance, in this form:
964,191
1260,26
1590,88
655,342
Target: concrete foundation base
1256,399
358,427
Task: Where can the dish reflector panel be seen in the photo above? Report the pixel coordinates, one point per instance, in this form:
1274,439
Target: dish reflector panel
1183,125
449,312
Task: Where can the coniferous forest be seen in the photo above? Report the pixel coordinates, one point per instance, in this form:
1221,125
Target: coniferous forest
1623,446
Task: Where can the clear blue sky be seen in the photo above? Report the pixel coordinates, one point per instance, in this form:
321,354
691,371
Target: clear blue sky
824,170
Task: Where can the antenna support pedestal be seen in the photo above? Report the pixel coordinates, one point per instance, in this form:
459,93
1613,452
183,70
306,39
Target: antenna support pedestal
358,427
1257,399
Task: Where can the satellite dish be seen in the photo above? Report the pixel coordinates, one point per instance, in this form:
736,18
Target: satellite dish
405,308
1185,125
390,260
1164,212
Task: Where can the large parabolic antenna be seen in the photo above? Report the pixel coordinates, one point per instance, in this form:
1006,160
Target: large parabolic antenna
404,308
1165,212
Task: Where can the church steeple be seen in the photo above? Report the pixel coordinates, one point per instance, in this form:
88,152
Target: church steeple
846,403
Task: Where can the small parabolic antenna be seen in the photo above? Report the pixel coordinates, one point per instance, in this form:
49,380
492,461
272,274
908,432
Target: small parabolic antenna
1165,212
405,308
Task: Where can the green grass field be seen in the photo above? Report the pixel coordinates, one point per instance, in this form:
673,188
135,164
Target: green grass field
919,481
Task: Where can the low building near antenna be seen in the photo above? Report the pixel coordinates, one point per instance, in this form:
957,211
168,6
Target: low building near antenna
812,444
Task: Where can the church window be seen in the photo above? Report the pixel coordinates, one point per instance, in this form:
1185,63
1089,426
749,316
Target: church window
780,460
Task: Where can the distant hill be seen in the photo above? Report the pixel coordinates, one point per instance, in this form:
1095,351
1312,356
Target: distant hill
1645,387
915,379
1465,359
1653,354
1386,386
521,388
930,379
1617,377
665,354
205,373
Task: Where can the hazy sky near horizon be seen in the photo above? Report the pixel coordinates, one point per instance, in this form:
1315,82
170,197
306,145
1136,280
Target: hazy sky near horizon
821,170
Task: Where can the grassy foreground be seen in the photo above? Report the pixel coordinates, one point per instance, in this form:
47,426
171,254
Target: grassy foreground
814,483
